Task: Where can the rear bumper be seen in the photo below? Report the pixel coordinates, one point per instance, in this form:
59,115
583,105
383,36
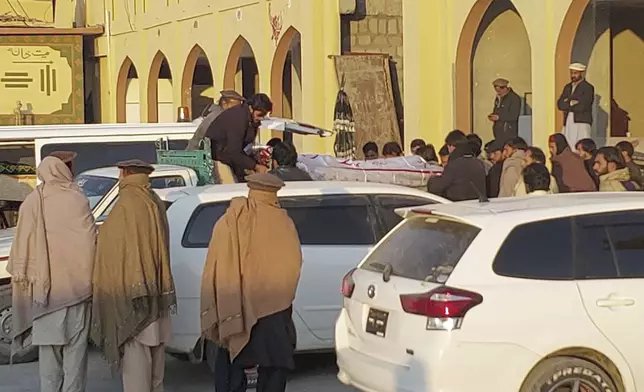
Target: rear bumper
448,365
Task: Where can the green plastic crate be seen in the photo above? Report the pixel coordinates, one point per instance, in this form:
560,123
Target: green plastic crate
198,160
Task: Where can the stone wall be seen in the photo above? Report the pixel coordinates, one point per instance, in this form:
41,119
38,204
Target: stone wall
377,27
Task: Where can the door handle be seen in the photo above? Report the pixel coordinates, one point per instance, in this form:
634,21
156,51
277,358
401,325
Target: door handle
614,302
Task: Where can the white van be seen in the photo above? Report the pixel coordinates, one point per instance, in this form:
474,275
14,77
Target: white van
97,145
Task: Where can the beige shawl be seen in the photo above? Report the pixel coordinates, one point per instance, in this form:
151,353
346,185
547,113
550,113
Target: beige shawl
52,256
133,284
252,269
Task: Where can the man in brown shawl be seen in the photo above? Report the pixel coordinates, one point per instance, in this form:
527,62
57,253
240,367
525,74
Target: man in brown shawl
51,265
247,291
133,285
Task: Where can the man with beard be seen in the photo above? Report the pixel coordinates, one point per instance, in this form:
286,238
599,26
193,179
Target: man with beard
612,171
228,99
133,285
247,292
576,103
231,136
507,108
51,264
494,150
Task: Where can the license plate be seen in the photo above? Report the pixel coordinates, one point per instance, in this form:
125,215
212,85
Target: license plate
377,322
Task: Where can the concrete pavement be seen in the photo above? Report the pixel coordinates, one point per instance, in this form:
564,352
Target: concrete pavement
314,373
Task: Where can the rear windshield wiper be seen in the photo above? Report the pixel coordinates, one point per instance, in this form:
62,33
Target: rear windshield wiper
386,272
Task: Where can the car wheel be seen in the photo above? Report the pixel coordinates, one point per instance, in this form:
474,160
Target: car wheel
211,355
28,354
567,374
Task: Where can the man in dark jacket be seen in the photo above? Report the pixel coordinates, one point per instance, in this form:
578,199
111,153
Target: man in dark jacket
627,150
463,177
576,103
494,150
232,134
228,99
507,108
284,163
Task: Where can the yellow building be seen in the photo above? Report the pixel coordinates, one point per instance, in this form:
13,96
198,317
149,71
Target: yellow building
454,49
159,55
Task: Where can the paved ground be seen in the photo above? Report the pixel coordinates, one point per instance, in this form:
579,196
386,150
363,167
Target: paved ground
314,373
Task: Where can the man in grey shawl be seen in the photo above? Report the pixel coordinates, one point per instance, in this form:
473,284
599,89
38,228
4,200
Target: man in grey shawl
51,265
228,99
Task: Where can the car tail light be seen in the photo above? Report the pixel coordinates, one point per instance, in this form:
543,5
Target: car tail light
444,307
348,284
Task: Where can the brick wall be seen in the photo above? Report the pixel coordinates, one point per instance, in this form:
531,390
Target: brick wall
377,27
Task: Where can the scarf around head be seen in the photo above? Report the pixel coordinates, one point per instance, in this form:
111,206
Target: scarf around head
52,255
133,284
251,271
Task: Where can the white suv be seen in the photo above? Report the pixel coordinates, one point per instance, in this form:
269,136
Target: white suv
541,293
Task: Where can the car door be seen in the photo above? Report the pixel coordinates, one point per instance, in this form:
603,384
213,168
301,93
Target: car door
610,277
387,204
336,232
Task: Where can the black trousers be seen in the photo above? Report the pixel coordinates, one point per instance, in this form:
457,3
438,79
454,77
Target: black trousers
231,377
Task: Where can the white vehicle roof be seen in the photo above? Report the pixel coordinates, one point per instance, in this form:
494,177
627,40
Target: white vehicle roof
113,171
211,193
533,208
33,132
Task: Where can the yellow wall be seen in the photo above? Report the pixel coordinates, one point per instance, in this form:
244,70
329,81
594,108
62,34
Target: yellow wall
499,54
214,25
431,34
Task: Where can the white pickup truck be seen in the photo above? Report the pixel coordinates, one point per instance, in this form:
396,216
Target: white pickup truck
101,187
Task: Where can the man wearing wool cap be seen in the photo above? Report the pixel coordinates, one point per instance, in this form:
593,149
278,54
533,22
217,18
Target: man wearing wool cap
576,103
507,108
228,99
247,291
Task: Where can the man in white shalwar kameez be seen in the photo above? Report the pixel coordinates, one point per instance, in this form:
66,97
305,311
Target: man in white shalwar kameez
576,103
51,265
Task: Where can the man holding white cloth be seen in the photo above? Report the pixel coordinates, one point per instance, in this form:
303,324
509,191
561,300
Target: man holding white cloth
576,102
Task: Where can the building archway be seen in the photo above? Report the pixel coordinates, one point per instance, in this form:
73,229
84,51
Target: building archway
197,78
609,38
563,52
241,73
160,102
494,43
286,77
127,93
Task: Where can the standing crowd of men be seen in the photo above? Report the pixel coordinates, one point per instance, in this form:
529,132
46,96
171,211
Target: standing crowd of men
74,283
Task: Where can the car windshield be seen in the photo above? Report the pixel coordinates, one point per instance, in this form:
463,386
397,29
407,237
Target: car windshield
95,187
423,248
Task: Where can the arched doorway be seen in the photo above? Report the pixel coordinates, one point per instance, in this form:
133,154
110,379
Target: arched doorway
241,73
128,103
196,82
494,44
609,38
286,77
160,102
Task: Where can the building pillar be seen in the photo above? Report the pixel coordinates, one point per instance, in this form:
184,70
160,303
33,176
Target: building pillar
428,75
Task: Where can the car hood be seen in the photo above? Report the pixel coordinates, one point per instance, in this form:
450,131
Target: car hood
6,239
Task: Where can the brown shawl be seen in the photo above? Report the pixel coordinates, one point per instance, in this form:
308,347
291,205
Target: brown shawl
252,269
133,284
52,256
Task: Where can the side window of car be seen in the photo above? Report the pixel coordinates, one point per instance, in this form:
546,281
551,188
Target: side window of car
167,182
332,219
538,250
201,223
610,245
387,204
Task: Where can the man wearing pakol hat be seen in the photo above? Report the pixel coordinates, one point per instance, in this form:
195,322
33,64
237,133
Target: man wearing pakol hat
228,99
507,108
133,285
51,263
576,103
247,291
